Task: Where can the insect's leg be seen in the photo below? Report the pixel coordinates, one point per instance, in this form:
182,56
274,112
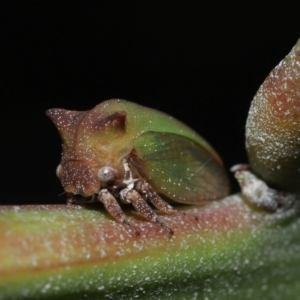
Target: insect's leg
141,206
147,191
113,207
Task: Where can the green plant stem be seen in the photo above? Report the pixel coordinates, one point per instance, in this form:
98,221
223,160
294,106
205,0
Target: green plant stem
231,252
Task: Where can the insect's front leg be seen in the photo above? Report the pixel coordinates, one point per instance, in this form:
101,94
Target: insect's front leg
78,199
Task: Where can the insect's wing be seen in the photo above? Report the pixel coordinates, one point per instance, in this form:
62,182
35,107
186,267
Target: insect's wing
179,168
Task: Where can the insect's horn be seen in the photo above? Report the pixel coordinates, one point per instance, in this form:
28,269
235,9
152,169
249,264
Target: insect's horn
66,121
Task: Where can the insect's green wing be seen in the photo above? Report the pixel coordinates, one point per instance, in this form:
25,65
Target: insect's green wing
179,168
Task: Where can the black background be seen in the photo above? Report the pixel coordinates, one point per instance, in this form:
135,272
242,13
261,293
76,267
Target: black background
200,61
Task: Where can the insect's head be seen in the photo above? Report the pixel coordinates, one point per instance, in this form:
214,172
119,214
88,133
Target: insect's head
86,164
79,178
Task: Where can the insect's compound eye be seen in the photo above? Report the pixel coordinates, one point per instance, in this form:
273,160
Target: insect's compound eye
58,170
106,174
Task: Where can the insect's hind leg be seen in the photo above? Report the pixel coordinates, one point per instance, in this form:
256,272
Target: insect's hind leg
145,189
